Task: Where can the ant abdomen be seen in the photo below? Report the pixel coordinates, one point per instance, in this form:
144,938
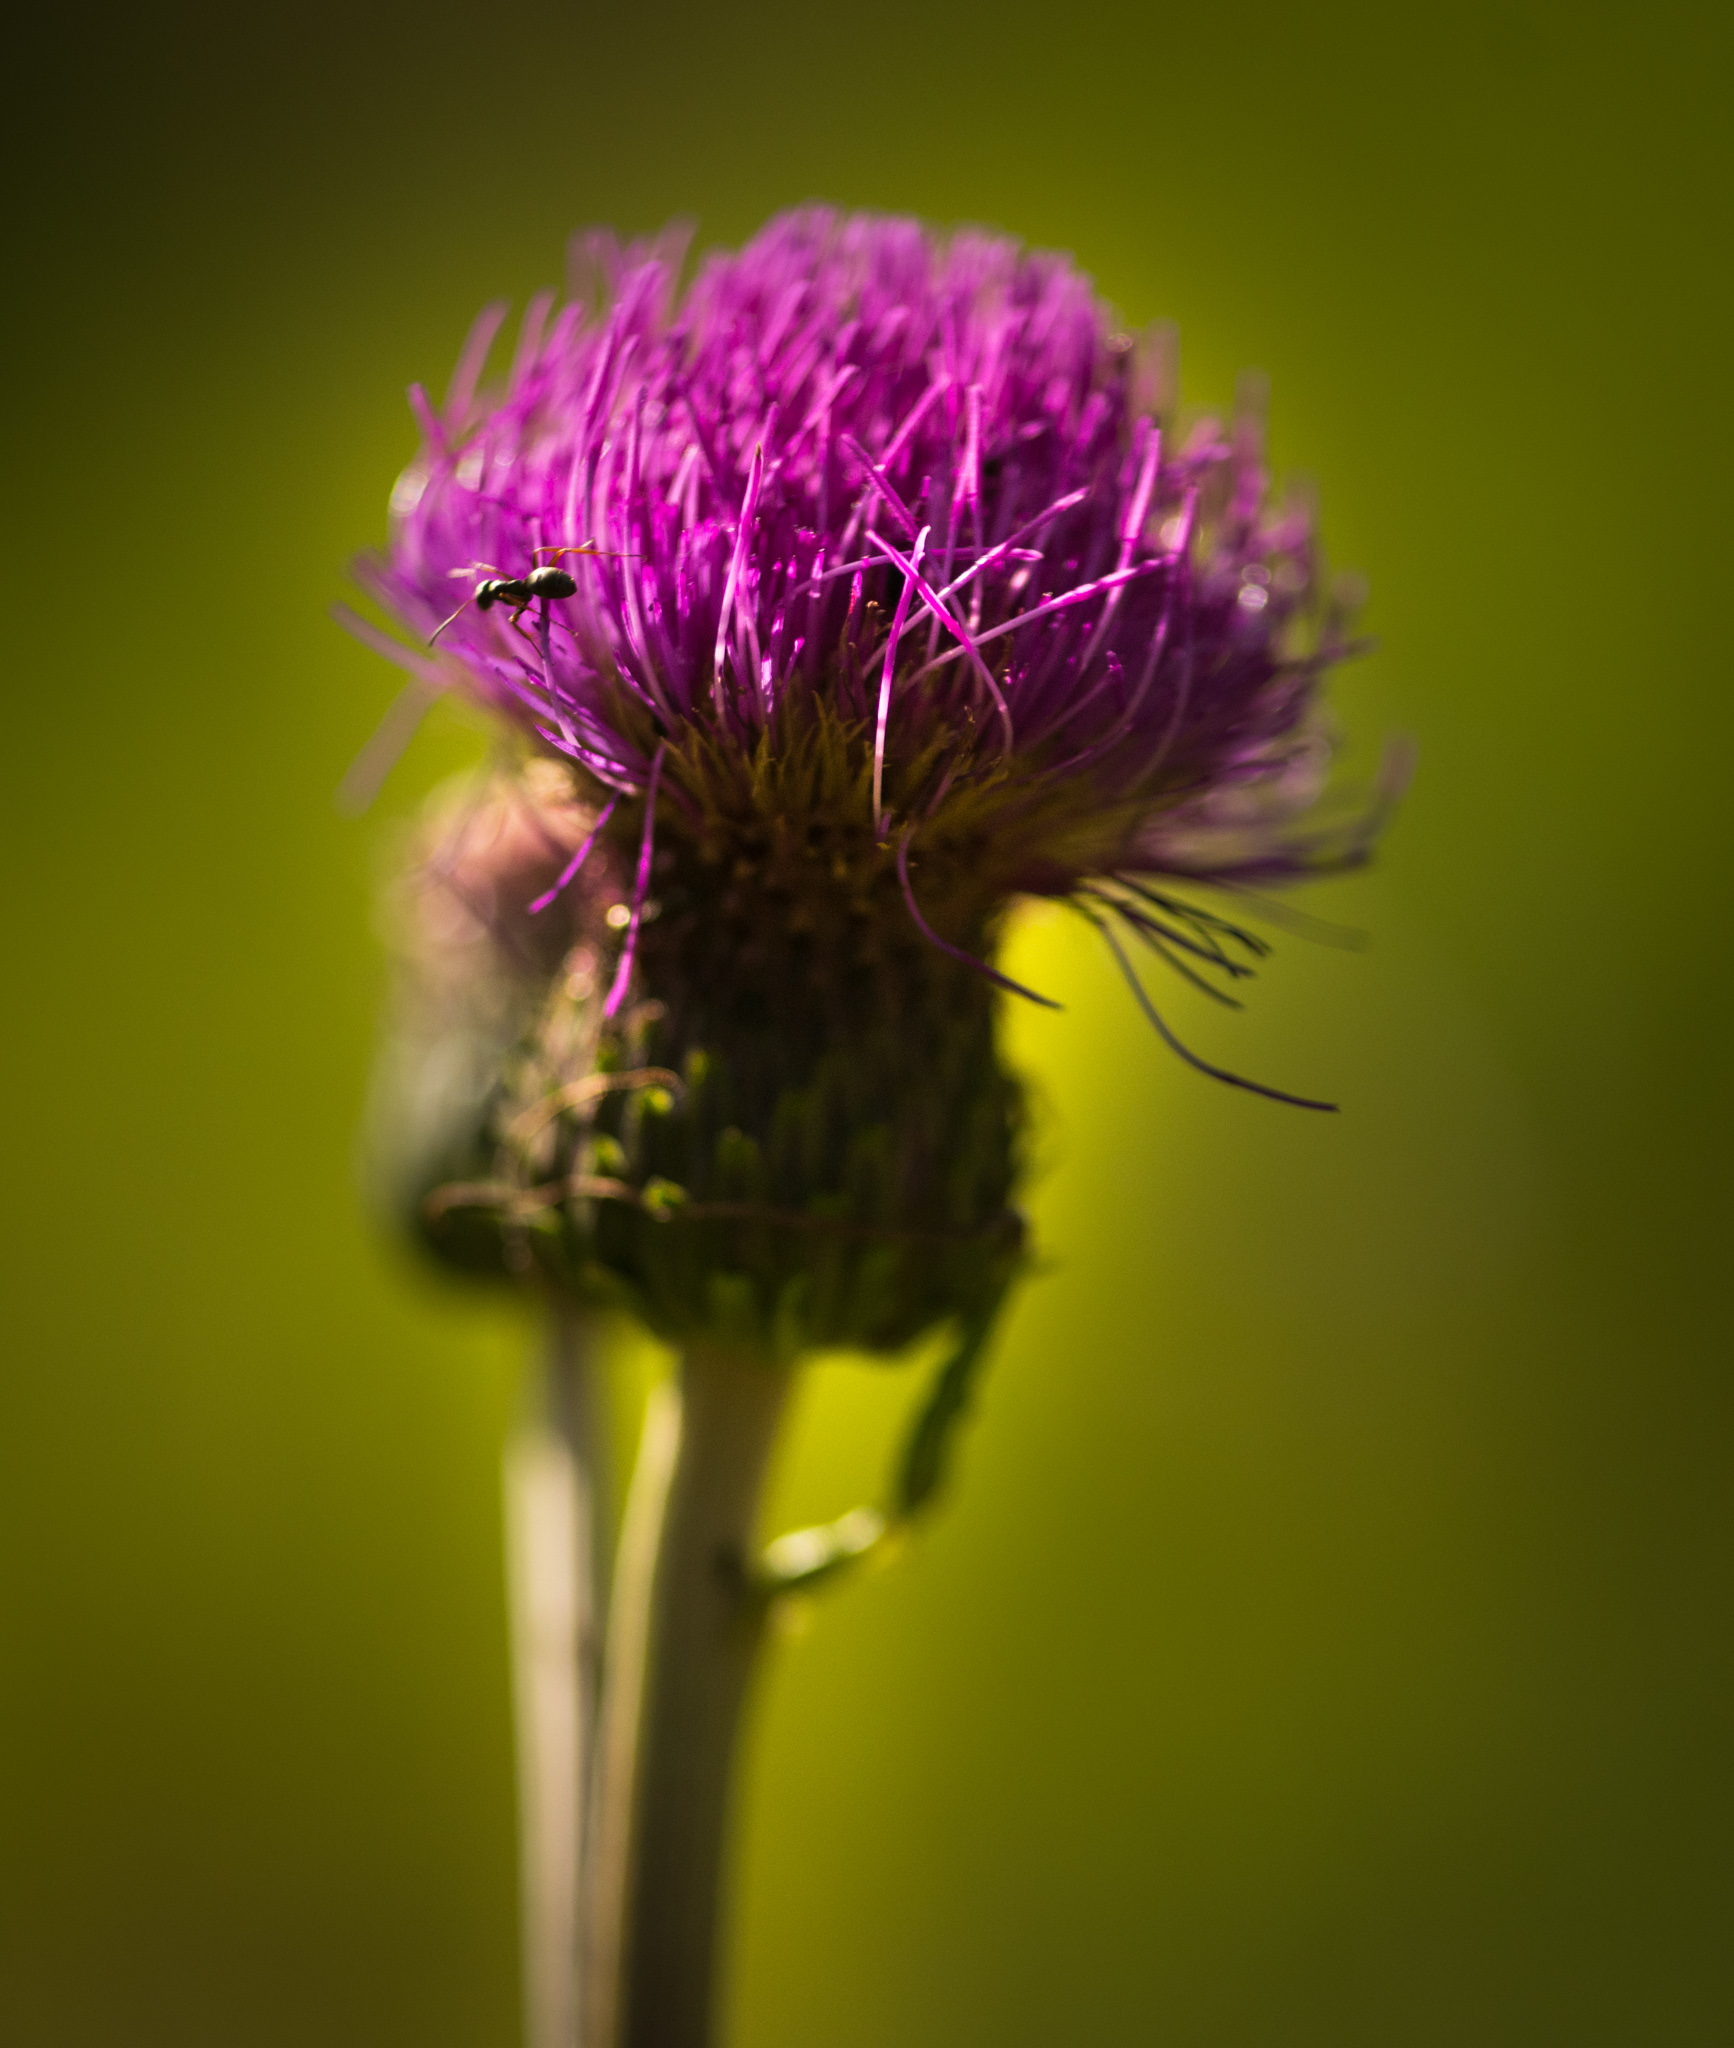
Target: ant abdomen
550,582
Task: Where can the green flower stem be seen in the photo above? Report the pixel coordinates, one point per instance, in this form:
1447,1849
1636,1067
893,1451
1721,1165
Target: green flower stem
686,1625
553,1521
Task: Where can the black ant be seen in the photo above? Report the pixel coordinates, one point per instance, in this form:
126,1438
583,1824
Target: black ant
545,580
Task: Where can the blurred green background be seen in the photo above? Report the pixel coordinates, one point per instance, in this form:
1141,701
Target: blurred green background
1329,1641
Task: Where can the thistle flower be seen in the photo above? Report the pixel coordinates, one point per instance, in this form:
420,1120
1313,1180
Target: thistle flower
863,589
835,605
924,485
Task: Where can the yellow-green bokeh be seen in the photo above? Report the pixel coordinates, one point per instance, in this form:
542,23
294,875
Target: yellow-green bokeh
1328,1642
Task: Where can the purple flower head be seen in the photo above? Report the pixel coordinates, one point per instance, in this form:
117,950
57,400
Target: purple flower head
920,491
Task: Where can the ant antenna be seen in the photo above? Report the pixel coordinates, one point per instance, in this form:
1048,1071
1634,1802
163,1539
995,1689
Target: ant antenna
444,623
468,574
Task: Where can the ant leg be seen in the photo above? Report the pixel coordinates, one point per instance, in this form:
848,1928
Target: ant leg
533,639
589,547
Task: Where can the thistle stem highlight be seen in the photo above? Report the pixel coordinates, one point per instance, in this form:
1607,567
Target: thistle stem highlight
683,1638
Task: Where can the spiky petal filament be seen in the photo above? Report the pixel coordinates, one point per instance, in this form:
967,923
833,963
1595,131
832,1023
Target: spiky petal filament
911,475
